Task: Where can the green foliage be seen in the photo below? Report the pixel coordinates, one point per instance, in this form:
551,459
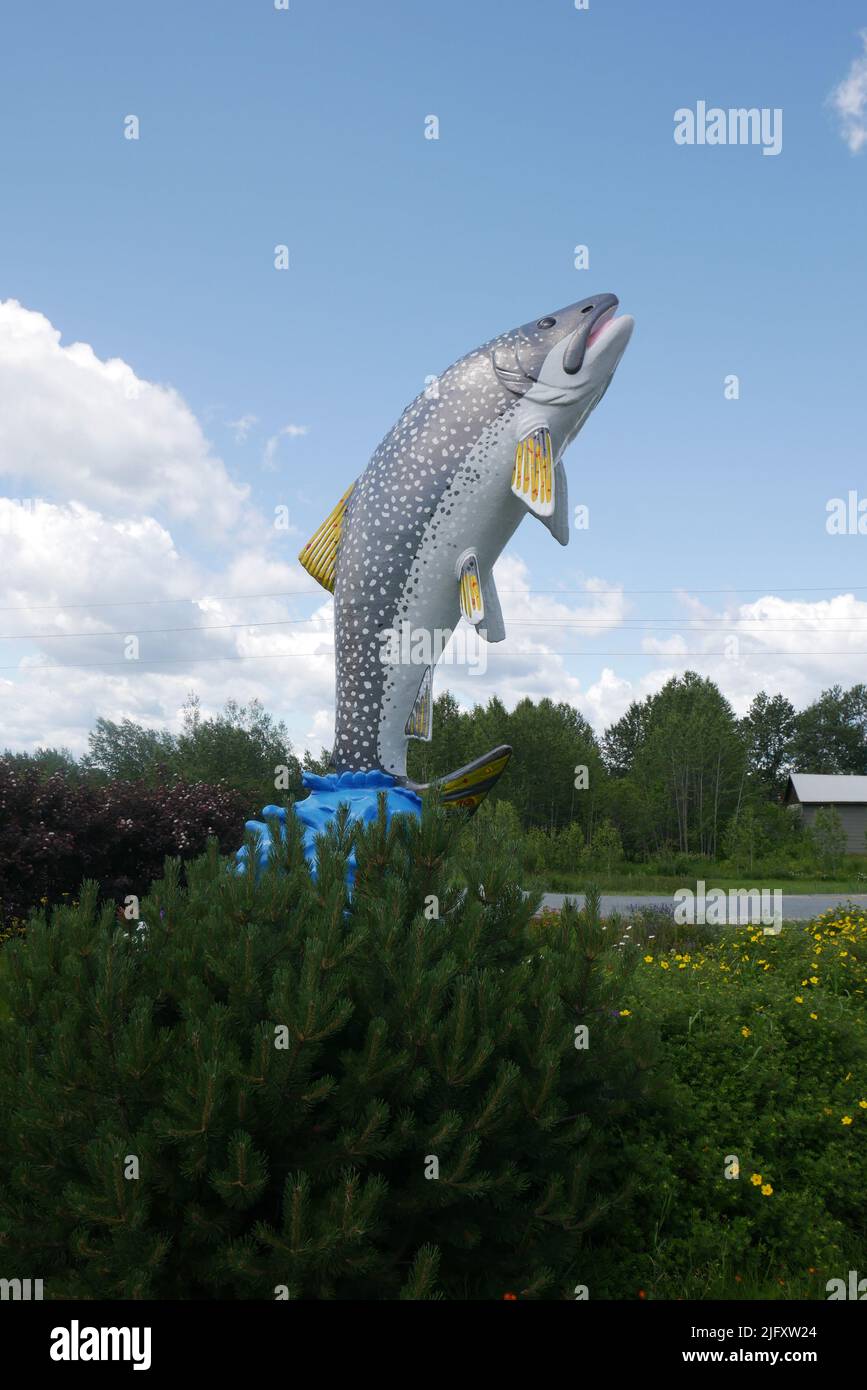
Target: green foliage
678,778
284,1065
684,751
766,1038
831,733
740,839
769,729
606,846
828,836
243,746
44,763
548,741
128,752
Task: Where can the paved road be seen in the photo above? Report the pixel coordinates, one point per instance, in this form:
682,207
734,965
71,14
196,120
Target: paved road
797,907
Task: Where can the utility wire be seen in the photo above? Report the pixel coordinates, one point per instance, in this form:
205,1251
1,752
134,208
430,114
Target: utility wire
629,624
517,656
769,589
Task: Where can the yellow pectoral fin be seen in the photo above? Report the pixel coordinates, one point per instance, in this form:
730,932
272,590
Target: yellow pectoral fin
533,474
470,589
319,556
420,722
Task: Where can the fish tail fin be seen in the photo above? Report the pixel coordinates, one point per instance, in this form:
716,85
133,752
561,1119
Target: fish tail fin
468,787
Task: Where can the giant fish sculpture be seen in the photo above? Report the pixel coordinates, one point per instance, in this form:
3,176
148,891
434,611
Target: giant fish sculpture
412,543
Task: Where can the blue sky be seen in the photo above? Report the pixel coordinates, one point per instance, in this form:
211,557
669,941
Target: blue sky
260,127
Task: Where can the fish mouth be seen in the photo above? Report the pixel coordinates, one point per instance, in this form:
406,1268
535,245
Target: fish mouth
597,319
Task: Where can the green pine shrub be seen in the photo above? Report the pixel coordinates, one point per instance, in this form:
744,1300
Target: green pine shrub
247,1092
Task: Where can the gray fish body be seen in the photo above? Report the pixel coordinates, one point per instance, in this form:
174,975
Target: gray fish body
438,488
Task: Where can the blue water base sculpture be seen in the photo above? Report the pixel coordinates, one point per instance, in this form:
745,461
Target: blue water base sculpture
359,790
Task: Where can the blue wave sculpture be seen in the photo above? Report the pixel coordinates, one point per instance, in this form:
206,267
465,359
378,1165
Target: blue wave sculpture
359,790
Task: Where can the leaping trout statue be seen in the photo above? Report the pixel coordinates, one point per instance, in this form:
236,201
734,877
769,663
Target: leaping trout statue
412,543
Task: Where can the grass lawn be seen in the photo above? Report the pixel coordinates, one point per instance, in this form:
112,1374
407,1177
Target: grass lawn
622,881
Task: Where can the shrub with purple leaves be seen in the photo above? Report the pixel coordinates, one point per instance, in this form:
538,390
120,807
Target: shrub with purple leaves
55,832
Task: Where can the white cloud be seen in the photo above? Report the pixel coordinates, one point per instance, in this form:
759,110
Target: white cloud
849,100
242,427
664,646
64,655
92,431
109,463
321,731
290,431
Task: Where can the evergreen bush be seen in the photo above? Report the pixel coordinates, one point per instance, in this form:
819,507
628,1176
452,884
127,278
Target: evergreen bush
265,1090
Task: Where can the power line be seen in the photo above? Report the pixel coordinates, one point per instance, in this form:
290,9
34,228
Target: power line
657,624
143,602
769,589
628,624
141,631
515,656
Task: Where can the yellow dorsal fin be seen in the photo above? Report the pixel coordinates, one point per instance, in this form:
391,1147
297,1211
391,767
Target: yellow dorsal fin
319,555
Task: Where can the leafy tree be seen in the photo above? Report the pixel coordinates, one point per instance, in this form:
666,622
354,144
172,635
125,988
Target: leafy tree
743,839
128,752
606,846
622,740
45,762
568,847
768,729
244,745
829,837
497,822
267,1087
831,734
685,756
548,740
320,765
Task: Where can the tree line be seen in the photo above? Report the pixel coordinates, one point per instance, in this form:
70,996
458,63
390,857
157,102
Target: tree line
678,772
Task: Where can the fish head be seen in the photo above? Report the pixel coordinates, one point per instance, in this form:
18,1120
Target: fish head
566,358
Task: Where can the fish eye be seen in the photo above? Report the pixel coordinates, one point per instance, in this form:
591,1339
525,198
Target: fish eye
546,323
